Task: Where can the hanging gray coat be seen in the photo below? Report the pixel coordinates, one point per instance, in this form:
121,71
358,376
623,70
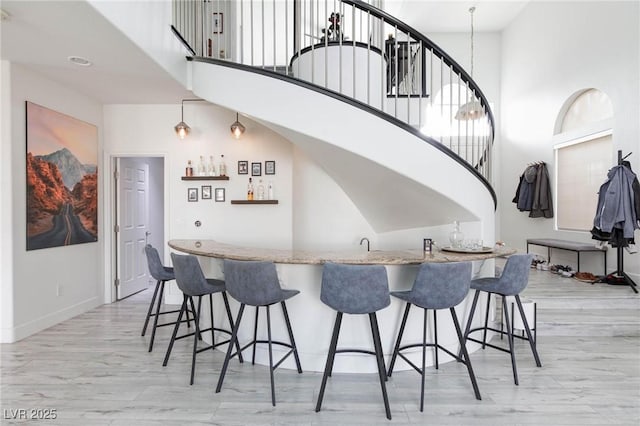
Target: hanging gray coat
542,201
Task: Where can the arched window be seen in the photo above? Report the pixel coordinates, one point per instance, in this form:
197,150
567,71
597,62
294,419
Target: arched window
583,153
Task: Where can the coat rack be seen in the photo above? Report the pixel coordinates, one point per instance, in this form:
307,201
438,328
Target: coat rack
619,277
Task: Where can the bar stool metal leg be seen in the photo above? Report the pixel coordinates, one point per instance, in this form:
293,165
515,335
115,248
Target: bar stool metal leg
255,335
532,341
153,300
196,317
330,357
291,339
234,340
510,339
466,358
175,331
213,327
435,334
379,357
273,391
155,319
486,321
196,336
424,357
396,350
471,313
231,323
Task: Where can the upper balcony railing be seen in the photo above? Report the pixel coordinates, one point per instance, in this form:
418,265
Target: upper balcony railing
355,49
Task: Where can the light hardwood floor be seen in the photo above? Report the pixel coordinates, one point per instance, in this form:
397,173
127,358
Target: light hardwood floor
95,370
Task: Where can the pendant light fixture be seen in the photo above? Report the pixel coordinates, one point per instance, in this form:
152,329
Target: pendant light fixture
182,130
237,129
471,110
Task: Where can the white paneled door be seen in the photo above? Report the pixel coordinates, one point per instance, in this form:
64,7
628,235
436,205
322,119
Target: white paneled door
133,225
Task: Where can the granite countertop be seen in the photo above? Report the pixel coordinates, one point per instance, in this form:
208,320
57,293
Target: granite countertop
211,248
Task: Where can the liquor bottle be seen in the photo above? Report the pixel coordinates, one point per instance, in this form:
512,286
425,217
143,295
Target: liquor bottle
211,167
260,190
189,170
201,167
222,168
250,190
270,195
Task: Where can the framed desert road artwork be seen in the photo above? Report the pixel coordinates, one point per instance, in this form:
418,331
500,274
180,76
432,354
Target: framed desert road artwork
62,179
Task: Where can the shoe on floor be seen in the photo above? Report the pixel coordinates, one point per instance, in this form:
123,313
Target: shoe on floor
586,277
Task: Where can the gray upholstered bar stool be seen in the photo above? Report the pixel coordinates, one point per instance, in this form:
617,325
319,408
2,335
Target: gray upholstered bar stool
161,274
437,286
256,284
512,281
357,290
192,283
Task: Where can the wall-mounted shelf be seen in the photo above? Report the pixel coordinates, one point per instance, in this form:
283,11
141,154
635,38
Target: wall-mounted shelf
254,201
205,178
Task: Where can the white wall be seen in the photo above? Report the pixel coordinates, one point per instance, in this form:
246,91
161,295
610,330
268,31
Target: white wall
325,218
551,51
156,203
6,210
147,24
32,276
148,130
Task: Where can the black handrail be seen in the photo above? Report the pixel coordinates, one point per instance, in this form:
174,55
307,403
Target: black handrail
183,41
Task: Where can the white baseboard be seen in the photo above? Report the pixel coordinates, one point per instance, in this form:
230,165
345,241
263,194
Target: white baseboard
14,334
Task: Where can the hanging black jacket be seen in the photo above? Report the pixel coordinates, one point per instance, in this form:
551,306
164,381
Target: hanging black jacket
542,201
534,192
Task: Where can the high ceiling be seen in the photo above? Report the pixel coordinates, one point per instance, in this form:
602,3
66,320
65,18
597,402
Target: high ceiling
43,34
435,16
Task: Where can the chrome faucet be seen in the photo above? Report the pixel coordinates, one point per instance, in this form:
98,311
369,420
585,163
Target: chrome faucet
367,240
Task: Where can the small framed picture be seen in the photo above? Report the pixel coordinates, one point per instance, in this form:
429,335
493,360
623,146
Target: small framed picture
243,167
206,192
269,167
192,195
218,23
256,169
219,195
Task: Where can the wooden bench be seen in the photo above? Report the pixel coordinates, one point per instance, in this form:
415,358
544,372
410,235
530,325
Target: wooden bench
550,243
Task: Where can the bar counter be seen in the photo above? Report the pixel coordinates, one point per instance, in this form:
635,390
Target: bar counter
211,248
312,321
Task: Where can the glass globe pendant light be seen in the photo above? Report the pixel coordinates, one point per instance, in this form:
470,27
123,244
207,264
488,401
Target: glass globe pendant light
237,129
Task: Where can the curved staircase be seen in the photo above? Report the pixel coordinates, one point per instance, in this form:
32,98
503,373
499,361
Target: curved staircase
377,144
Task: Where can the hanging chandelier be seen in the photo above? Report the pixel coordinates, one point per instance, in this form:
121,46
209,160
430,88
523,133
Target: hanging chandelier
471,110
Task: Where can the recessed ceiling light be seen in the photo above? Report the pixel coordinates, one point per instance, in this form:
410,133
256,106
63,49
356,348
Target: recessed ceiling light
78,60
